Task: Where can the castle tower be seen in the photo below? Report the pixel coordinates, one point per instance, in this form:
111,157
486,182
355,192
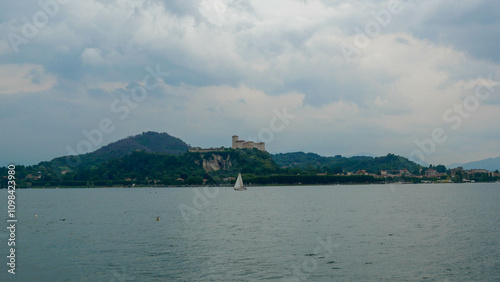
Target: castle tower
235,139
261,146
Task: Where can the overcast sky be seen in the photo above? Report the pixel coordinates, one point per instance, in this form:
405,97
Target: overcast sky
324,76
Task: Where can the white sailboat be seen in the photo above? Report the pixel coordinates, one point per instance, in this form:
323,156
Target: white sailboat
238,186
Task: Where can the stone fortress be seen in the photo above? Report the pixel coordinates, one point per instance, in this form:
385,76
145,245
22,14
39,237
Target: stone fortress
237,144
242,144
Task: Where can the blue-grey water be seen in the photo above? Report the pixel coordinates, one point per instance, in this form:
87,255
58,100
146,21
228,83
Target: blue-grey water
448,232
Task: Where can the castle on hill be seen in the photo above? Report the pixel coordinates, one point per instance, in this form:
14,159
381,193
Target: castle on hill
242,144
237,144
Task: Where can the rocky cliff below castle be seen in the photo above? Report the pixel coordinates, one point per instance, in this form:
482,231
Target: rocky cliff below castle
215,162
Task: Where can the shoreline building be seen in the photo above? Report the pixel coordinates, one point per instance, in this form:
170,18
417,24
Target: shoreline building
242,144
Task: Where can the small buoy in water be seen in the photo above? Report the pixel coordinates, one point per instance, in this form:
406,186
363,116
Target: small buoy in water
36,215
157,218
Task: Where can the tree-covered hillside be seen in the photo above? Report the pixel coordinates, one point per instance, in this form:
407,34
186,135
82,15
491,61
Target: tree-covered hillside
147,142
143,167
338,163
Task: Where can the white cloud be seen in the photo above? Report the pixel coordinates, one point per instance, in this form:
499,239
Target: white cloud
25,78
205,107
93,57
214,11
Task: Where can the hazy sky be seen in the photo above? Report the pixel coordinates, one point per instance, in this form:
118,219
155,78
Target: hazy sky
331,77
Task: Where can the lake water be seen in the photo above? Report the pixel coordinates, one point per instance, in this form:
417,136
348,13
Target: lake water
448,232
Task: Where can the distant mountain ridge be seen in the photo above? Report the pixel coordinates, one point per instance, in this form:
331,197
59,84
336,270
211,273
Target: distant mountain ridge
490,164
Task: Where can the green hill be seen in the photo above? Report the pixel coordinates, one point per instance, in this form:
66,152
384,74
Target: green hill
150,142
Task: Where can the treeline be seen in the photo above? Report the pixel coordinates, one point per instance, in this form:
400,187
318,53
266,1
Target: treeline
79,184
311,179
317,163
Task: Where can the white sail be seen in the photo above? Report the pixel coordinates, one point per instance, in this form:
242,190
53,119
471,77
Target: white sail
239,183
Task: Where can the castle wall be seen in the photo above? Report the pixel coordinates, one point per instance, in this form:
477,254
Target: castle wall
261,146
241,144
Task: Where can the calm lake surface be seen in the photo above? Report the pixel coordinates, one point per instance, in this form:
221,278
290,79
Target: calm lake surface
447,232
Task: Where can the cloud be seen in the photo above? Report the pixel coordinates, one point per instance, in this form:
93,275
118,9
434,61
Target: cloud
25,78
231,63
93,57
214,11
468,27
